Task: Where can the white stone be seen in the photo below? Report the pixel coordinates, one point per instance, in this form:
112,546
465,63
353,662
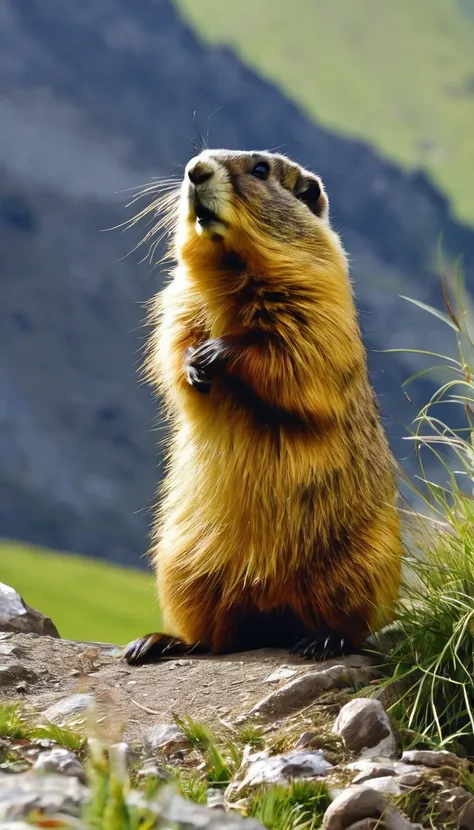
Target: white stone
24,792
365,728
68,708
61,761
17,616
280,769
167,735
283,673
387,784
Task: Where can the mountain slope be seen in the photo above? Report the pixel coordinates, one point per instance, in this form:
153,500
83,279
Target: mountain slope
95,98
398,75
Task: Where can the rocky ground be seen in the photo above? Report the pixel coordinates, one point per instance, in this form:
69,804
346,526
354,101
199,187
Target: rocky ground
286,743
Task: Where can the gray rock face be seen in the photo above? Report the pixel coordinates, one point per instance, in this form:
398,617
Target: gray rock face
283,673
358,804
24,792
11,672
305,688
280,769
387,784
165,736
189,816
410,779
456,801
368,770
428,758
185,815
60,761
365,728
17,616
466,819
52,794
215,799
68,708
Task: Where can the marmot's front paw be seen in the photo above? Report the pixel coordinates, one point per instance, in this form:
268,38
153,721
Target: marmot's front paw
202,363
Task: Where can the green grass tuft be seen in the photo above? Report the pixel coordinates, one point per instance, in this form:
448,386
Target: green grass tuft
108,808
251,735
301,806
13,722
219,766
431,644
193,787
67,738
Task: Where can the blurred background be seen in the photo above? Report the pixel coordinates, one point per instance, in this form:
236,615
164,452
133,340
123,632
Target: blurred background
103,95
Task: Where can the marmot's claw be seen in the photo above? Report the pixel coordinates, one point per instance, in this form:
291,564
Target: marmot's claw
201,364
324,646
151,648
197,379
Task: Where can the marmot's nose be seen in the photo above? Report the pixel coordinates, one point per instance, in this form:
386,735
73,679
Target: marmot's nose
199,172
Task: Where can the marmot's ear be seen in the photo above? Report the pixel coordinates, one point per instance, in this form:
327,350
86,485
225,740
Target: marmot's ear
310,191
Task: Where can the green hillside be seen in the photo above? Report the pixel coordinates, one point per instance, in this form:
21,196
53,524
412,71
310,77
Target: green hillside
399,74
85,598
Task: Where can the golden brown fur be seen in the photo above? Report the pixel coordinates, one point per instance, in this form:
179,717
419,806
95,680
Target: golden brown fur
277,517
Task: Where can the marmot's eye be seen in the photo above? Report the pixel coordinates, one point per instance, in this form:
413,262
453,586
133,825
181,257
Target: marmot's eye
261,170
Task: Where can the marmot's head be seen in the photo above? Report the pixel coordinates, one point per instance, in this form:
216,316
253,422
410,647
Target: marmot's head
251,202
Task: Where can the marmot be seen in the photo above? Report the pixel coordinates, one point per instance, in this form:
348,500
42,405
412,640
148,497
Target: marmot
278,523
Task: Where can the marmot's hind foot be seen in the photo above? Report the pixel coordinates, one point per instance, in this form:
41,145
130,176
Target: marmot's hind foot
155,647
324,646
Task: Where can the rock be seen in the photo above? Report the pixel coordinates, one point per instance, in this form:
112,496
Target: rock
165,736
9,650
305,740
430,758
387,784
11,671
367,770
23,792
303,690
17,616
282,673
357,804
466,818
68,708
364,726
389,695
152,770
456,801
280,769
60,761
189,816
185,815
410,779
215,799
367,824
14,825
